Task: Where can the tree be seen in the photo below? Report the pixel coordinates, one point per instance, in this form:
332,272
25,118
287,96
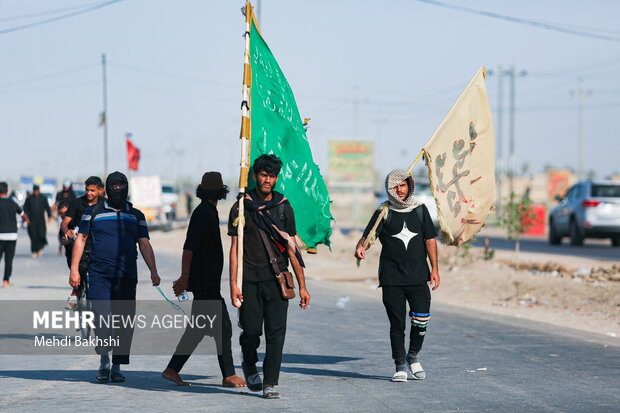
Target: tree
518,216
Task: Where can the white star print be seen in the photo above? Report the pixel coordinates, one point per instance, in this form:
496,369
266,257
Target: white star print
405,235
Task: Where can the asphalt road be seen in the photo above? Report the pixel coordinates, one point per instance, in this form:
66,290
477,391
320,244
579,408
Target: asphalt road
336,360
597,249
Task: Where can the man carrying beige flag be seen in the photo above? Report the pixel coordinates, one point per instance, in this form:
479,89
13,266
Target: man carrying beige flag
460,160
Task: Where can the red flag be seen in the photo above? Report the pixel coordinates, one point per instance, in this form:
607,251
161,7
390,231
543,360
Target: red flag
133,155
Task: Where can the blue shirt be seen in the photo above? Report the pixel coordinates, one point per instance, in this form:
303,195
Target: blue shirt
114,235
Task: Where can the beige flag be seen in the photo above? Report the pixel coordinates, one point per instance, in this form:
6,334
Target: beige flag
461,164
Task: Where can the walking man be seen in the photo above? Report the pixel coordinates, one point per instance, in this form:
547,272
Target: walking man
66,196
115,227
70,225
8,230
36,206
201,273
269,212
407,236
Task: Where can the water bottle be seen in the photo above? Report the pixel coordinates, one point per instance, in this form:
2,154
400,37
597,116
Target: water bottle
183,296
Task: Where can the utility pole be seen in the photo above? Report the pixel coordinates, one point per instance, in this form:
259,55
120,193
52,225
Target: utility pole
104,118
500,151
580,94
356,110
511,146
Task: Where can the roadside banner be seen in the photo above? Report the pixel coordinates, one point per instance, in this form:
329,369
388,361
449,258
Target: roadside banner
460,157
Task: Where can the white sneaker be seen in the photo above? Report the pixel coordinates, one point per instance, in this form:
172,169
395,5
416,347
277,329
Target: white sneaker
399,376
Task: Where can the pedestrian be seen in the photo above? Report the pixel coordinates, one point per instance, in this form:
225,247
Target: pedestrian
115,227
201,273
36,206
66,195
70,225
188,203
9,209
407,236
268,216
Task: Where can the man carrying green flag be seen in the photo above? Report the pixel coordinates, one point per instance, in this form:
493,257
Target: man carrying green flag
268,247
272,124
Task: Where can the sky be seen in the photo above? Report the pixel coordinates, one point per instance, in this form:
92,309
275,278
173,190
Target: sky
174,71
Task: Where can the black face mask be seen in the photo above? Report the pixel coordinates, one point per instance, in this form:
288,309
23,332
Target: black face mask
116,189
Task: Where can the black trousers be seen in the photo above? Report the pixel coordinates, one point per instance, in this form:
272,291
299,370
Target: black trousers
395,299
193,336
263,302
38,235
7,248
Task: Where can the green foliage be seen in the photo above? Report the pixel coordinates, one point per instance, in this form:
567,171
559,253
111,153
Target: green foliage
465,248
518,216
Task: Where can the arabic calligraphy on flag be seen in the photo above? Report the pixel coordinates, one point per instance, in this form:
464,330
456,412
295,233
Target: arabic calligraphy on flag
276,127
461,160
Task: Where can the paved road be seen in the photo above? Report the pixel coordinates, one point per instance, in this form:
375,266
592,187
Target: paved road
336,360
598,249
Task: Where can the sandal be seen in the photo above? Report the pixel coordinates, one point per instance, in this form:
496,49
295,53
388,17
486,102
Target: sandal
415,368
253,381
117,377
399,376
269,392
103,375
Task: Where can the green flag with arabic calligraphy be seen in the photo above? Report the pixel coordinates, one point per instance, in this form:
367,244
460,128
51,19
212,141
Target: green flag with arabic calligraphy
277,128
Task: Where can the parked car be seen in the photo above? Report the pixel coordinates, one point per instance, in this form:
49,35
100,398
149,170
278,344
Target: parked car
590,209
170,199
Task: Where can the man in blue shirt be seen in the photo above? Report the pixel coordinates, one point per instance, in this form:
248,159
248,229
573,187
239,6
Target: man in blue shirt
114,227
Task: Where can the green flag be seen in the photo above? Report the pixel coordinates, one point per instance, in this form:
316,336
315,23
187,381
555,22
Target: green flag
277,128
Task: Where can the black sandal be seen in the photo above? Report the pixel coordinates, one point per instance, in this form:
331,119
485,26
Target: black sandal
117,377
103,375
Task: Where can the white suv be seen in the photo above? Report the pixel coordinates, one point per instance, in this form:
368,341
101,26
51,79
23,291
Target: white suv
589,210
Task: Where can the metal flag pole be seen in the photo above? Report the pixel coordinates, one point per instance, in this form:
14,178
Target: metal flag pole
104,116
245,143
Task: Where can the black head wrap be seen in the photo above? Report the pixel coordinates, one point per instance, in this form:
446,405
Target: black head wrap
117,197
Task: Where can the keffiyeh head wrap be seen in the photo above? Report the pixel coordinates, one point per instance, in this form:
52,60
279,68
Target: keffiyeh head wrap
392,180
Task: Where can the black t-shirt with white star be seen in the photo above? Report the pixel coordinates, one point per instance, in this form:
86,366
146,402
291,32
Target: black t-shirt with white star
403,253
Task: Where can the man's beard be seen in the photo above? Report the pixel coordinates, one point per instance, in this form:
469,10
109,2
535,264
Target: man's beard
262,191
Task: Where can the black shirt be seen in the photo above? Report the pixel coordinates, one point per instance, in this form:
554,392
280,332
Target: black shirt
76,210
204,240
256,265
36,207
400,263
8,218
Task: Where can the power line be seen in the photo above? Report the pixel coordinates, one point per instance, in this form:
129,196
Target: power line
57,18
47,12
553,27
169,75
48,75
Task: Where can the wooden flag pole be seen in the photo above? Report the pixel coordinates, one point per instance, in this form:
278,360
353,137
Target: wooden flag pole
245,145
415,162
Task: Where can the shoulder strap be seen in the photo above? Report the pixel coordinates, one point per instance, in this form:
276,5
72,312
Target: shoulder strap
95,210
420,212
281,215
273,261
